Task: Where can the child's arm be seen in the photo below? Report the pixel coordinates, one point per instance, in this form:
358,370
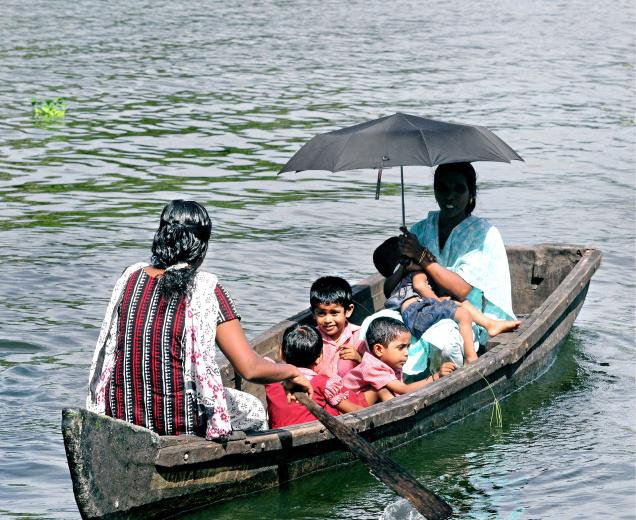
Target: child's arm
422,287
335,394
399,387
391,282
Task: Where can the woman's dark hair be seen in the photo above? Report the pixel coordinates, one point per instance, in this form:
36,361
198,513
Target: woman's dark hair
468,172
182,238
330,289
386,256
302,345
383,330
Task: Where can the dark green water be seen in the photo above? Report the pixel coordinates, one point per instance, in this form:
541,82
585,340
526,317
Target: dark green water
172,100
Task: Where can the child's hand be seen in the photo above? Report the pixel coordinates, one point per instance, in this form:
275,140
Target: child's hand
447,368
350,353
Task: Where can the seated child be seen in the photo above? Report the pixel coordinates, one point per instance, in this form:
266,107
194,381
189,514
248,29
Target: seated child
381,368
331,303
302,347
421,307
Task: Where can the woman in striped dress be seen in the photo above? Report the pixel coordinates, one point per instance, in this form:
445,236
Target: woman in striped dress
155,360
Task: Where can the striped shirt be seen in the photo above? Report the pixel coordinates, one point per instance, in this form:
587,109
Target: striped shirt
147,386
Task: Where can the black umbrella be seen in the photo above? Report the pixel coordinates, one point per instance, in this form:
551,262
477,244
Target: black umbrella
399,140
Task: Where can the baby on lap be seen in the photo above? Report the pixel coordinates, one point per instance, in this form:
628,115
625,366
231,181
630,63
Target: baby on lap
421,308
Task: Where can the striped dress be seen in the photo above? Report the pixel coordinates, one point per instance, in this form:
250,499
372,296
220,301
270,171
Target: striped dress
148,383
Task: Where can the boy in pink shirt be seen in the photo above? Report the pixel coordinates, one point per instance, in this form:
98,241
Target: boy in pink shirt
331,303
381,368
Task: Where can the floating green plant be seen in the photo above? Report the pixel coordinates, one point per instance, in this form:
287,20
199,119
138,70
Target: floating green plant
496,416
49,108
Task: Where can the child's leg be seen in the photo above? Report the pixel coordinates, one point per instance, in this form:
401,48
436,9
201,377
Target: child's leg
384,394
492,326
371,396
463,318
421,285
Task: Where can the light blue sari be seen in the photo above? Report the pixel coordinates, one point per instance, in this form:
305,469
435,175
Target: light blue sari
475,251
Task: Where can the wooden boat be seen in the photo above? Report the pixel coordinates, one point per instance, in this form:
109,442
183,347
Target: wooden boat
121,471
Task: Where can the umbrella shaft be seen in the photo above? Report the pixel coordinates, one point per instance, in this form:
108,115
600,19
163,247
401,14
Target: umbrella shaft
402,186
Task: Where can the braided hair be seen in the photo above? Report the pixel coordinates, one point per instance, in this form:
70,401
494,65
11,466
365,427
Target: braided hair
180,245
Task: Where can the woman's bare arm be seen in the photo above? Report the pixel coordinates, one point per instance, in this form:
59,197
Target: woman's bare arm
250,366
445,279
449,281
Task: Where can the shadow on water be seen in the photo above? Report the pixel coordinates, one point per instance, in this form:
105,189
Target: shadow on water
456,462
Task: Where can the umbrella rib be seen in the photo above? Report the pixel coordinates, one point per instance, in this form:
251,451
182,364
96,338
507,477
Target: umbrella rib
339,153
428,154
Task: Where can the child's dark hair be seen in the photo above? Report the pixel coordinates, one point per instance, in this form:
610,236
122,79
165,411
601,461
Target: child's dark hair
383,330
302,345
330,289
182,238
468,172
386,256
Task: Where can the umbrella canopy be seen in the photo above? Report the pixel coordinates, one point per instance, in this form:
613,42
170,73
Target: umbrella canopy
399,140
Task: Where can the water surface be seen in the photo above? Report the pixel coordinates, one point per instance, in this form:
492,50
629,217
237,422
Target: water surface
207,101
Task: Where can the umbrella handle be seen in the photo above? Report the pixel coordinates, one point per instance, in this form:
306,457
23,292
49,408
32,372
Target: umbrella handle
377,186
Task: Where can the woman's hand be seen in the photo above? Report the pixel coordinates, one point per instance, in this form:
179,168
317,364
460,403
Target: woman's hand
409,244
411,247
298,383
412,267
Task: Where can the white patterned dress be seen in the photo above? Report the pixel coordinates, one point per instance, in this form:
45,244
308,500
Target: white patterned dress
155,360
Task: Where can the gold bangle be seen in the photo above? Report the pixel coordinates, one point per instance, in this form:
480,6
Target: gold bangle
426,256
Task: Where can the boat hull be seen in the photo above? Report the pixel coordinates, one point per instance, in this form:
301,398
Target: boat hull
124,471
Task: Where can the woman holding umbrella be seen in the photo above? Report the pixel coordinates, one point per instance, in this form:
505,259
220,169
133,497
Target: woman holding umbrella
462,255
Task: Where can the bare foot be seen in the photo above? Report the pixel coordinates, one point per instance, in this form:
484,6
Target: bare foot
499,326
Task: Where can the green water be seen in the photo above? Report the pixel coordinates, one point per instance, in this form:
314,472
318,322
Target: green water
207,101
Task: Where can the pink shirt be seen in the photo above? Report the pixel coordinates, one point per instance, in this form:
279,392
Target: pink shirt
331,364
371,373
331,389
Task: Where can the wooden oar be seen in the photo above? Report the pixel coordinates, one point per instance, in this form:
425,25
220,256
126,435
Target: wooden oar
392,474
